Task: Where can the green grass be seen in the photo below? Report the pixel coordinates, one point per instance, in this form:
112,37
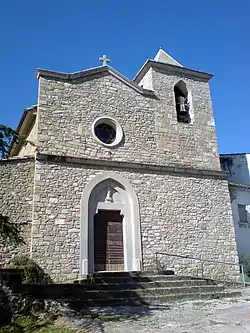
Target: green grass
107,318
32,324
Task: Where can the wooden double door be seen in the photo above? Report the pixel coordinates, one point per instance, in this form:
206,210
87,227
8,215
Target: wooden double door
108,241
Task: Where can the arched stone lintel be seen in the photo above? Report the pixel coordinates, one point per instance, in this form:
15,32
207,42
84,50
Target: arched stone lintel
84,219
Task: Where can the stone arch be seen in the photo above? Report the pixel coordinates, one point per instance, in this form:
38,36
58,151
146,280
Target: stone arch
127,202
181,89
181,85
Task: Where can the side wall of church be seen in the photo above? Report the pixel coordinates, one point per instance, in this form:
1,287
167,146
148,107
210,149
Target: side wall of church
16,199
179,215
66,112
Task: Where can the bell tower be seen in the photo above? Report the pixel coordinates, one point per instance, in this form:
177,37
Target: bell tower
184,121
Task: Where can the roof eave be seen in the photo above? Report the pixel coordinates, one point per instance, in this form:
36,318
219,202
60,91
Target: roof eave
241,186
69,77
167,67
27,119
27,111
233,154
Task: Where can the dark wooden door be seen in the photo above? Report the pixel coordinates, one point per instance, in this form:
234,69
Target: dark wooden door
108,241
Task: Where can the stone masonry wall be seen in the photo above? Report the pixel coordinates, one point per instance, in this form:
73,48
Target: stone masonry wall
17,179
66,112
189,142
180,215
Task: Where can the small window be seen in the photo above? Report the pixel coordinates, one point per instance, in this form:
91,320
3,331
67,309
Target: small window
242,214
181,103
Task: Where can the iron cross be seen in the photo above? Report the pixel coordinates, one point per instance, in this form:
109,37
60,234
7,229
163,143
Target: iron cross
104,60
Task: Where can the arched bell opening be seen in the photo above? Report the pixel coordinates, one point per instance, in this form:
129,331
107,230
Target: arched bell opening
182,103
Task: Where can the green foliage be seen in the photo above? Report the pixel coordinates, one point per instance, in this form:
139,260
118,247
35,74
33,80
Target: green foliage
35,324
246,264
108,318
10,232
8,137
32,272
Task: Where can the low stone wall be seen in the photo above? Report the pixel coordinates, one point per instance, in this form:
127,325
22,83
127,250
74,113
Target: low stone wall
16,199
10,284
11,278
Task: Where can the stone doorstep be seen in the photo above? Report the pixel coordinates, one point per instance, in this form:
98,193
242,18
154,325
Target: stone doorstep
133,274
122,273
144,285
142,278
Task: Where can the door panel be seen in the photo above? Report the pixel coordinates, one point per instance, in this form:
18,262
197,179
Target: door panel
108,241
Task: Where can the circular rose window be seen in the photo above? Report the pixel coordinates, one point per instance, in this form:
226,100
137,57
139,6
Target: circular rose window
107,131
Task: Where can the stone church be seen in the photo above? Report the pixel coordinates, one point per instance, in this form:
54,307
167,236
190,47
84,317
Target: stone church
122,169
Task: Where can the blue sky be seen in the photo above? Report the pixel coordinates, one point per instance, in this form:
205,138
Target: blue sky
208,35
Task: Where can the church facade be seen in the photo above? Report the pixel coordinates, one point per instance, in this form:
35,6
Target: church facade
121,170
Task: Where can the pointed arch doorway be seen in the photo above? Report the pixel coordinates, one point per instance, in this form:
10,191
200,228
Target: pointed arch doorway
110,226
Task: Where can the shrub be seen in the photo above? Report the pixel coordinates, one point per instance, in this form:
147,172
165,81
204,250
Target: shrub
10,232
246,264
32,272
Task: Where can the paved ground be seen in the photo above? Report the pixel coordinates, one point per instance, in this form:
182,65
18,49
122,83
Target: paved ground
184,318
220,316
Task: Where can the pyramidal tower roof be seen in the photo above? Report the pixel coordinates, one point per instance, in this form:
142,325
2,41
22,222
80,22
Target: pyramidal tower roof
164,57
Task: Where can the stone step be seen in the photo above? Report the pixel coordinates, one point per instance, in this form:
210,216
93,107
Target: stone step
151,300
144,285
121,288
122,274
75,292
135,274
125,293
140,278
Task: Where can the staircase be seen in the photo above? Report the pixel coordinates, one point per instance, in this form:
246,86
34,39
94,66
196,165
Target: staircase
120,288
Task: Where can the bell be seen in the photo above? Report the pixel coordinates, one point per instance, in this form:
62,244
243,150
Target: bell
182,107
180,100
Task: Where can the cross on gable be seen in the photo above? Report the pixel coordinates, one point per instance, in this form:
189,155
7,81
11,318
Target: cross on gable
104,60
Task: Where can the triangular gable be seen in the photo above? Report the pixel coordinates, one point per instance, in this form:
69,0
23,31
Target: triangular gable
165,58
88,73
